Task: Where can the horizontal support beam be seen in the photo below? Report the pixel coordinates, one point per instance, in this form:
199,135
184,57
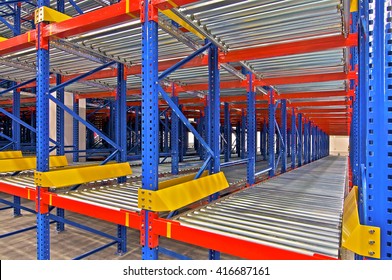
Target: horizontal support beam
11,154
320,94
292,48
319,103
80,174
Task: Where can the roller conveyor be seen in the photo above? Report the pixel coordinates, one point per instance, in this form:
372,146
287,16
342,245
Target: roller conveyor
299,211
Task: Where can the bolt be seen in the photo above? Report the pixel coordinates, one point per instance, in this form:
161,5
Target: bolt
371,231
371,242
371,253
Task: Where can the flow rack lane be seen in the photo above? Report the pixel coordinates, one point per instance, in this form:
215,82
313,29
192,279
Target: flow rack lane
298,211
108,193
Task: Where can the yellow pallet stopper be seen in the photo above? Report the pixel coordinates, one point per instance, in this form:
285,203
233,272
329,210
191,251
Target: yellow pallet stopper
75,175
180,195
361,239
11,154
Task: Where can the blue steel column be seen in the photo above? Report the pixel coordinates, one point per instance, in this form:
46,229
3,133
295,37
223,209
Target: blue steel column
75,130
271,133
202,132
60,125
121,140
284,135
264,140
251,114
354,131
16,105
238,139
150,119
293,139
60,140
166,134
16,95
227,145
378,191
229,138
306,142
289,143
214,105
174,137
43,241
243,133
362,99
182,140
137,130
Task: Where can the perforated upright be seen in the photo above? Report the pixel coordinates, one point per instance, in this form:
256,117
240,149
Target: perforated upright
378,192
43,242
150,119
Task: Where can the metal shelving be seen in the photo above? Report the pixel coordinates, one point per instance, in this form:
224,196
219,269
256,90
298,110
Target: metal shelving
284,69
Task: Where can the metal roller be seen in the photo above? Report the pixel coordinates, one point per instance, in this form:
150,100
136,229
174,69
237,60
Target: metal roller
298,210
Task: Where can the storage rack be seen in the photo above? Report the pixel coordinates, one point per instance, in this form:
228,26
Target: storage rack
299,59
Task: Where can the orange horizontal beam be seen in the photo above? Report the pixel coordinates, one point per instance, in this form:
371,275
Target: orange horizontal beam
18,43
315,78
250,53
310,111
291,48
23,100
319,103
105,94
320,94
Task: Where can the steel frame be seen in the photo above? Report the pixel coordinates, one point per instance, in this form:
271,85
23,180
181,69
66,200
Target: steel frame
315,140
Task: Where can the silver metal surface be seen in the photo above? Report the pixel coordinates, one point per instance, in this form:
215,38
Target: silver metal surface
239,24
298,210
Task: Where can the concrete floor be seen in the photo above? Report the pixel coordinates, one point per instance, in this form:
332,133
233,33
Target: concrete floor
74,242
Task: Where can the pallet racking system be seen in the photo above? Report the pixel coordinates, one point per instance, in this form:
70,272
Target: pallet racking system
294,71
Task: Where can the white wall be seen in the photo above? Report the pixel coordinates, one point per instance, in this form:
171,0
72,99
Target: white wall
339,145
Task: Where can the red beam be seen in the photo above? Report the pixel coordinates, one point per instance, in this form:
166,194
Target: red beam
309,111
23,100
105,94
320,94
226,244
27,193
120,217
299,47
18,43
319,103
316,78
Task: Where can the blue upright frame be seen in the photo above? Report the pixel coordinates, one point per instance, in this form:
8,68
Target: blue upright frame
293,139
271,133
43,242
378,190
251,116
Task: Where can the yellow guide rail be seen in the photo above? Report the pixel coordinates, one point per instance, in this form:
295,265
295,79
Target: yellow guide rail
363,240
11,154
29,163
180,195
179,180
65,177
